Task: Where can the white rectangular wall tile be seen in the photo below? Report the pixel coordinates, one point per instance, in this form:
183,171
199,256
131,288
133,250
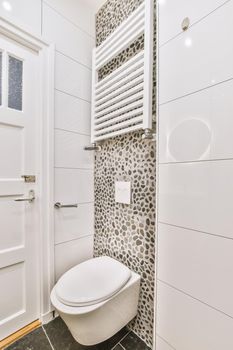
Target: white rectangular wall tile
68,25
69,39
198,264
72,114
187,324
195,231
72,77
74,185
74,223
197,196
172,13
162,345
198,58
69,152
198,126
77,12
72,253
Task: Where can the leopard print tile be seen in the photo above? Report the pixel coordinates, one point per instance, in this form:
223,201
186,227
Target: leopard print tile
127,232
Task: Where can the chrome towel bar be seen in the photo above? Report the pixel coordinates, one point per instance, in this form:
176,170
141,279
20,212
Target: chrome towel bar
30,199
58,205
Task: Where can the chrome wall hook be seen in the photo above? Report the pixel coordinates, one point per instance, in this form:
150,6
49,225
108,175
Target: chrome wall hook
93,147
185,24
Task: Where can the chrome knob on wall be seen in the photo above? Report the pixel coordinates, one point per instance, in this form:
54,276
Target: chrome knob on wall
58,205
185,23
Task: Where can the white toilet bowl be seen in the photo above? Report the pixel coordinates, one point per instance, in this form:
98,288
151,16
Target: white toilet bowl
96,299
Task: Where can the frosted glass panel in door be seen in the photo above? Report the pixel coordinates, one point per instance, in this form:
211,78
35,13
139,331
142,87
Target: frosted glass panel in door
15,83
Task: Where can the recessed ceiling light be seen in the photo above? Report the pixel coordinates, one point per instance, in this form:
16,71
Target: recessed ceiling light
188,42
7,6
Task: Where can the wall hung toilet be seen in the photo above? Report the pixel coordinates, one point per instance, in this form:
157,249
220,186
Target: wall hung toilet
96,299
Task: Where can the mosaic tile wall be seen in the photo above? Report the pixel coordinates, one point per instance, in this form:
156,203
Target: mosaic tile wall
127,232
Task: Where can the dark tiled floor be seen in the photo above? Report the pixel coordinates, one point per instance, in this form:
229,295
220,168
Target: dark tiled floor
33,341
132,342
56,336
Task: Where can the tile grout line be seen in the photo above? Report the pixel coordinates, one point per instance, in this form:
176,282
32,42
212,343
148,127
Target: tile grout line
194,298
72,95
68,20
74,59
48,337
72,131
197,161
195,230
119,343
74,239
195,92
194,23
165,341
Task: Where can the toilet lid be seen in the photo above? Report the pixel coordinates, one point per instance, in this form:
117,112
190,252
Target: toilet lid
92,281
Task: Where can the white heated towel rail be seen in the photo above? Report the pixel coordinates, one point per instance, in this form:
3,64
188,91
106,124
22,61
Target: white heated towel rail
122,101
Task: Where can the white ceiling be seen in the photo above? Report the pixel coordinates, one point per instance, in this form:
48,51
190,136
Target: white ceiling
95,4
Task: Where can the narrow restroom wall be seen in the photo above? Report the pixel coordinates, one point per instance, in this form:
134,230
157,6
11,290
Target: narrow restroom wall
127,232
70,25
195,233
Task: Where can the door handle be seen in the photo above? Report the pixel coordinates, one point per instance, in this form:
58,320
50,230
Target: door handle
58,205
30,199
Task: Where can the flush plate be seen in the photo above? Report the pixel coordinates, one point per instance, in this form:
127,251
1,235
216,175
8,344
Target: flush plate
123,192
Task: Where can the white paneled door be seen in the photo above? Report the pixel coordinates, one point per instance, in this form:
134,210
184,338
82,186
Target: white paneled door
19,224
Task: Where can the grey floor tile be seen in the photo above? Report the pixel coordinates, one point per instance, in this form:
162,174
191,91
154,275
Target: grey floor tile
118,347
36,340
61,338
133,342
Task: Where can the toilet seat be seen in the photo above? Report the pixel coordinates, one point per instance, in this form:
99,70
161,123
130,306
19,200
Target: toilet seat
92,281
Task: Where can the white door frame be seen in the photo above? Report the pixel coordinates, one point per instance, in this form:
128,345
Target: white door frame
46,158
